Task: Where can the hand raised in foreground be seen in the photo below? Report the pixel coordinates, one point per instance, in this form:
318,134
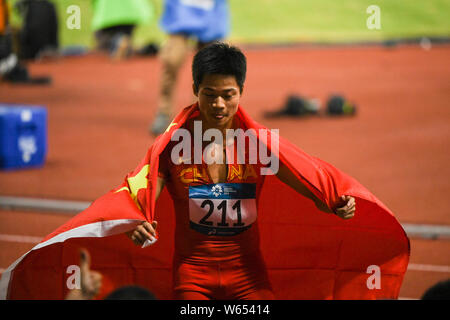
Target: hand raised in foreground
144,231
90,280
347,210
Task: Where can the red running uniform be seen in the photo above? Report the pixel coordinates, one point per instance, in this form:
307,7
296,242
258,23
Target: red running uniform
216,238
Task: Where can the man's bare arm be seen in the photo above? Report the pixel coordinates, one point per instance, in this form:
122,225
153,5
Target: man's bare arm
344,211
287,177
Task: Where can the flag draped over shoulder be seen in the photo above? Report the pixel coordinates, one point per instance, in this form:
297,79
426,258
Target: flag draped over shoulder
309,254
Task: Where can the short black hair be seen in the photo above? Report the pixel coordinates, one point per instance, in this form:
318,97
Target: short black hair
219,58
131,292
439,291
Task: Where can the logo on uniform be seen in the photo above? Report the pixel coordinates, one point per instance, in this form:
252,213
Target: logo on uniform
216,190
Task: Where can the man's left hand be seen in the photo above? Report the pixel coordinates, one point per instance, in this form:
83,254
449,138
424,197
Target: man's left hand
346,211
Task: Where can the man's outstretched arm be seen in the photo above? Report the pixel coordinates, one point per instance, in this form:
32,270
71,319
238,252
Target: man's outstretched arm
345,210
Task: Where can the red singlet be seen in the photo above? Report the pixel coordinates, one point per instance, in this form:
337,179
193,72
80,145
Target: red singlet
216,238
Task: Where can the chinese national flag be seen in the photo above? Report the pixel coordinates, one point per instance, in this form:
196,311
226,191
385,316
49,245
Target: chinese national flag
309,254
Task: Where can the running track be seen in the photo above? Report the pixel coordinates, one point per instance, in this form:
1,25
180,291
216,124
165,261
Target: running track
397,145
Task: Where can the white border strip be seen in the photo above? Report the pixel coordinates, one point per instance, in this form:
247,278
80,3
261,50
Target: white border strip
96,229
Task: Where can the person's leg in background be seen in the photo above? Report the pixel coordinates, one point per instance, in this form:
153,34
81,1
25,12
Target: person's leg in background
122,42
116,41
172,55
8,60
11,70
203,21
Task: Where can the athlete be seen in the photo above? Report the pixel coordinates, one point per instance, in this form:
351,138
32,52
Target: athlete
216,238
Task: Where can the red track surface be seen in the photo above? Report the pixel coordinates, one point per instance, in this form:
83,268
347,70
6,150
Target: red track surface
397,145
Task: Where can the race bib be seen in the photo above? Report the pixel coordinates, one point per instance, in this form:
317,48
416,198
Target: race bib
222,209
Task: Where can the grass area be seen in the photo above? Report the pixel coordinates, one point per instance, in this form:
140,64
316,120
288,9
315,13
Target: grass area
336,21
279,21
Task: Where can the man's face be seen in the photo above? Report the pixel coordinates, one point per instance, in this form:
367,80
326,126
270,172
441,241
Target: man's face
218,100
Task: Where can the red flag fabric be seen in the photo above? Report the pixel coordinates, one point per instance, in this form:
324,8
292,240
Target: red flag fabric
309,254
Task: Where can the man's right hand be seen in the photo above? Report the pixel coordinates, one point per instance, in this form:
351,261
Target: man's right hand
143,232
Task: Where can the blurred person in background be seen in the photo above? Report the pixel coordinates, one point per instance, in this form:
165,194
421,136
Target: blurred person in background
90,280
38,35
204,21
438,291
91,285
114,22
11,69
131,292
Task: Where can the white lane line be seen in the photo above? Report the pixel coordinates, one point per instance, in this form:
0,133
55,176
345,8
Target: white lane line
425,231
19,238
429,267
34,204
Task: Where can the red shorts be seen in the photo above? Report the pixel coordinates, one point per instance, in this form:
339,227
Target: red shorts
225,280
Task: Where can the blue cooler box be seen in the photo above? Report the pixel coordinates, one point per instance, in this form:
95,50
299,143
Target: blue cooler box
23,136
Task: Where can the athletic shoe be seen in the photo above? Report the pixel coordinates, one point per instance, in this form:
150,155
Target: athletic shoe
19,75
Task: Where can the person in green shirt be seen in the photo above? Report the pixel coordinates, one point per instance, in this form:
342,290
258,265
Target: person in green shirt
114,22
